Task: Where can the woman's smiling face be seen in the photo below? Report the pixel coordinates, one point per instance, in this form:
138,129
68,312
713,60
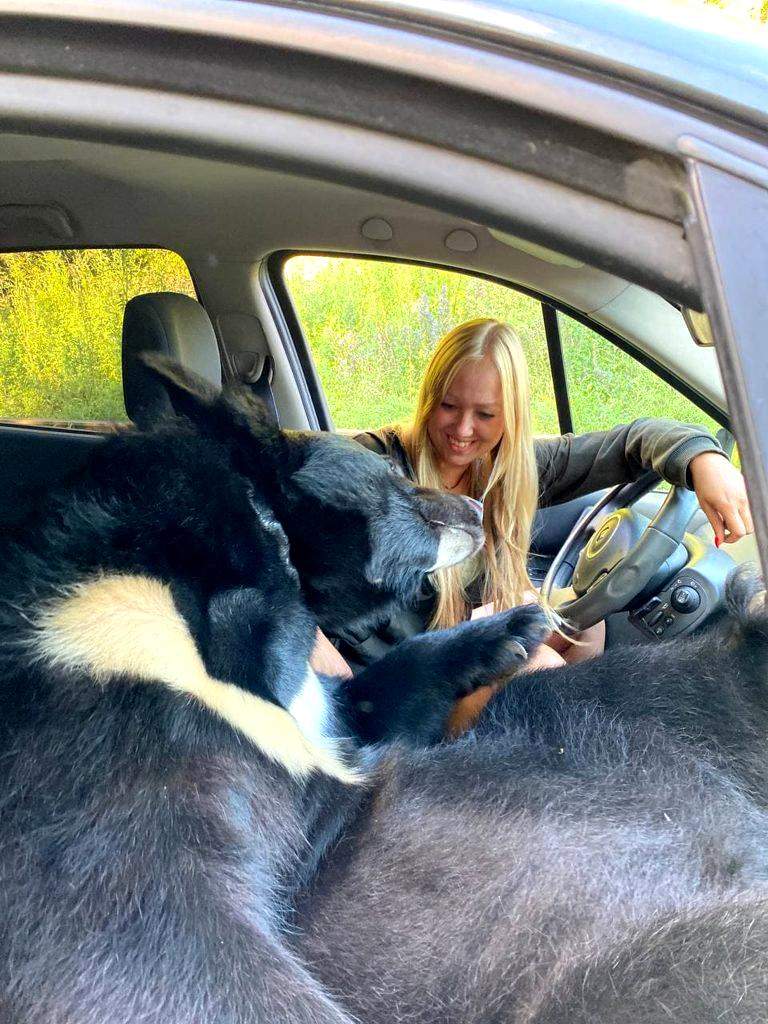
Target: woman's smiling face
468,423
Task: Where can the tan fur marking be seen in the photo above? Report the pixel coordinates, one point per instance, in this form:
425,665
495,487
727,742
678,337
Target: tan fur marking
129,625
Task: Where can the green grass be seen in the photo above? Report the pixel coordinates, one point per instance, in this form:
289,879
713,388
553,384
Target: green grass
61,319
372,325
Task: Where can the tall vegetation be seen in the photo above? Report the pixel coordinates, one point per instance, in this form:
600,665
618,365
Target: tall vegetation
60,328
371,327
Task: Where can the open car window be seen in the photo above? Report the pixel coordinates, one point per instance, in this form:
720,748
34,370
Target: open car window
61,315
371,326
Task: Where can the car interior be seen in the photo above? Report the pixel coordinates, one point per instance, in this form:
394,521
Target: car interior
235,228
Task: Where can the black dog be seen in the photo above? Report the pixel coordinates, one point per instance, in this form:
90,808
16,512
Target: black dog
159,806
597,850
177,847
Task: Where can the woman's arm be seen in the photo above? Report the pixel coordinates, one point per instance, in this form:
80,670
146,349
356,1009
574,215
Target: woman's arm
326,660
722,496
577,464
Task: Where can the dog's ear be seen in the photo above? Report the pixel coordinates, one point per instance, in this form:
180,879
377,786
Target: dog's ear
191,395
208,407
331,476
320,477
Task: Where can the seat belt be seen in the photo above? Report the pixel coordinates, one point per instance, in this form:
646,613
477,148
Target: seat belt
258,376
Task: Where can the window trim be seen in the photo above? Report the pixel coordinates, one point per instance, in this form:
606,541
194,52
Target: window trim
295,346
276,261
557,367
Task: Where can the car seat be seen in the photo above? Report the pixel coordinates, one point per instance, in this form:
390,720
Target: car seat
176,326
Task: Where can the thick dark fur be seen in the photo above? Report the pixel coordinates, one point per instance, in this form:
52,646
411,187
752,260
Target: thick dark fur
148,851
595,850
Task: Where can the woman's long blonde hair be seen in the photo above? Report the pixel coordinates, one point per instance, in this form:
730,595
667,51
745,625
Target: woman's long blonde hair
506,480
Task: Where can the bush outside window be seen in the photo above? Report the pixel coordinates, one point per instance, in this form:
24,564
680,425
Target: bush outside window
607,387
371,327
61,315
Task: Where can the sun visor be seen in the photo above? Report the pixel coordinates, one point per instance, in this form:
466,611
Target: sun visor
540,252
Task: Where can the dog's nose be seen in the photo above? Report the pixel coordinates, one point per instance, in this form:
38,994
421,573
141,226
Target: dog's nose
476,505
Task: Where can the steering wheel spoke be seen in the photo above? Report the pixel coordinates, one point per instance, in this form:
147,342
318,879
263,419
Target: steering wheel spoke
560,597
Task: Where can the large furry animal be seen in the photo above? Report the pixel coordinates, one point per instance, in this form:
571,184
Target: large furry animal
186,836
595,851
171,772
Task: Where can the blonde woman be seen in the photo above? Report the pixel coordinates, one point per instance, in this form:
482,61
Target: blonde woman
471,434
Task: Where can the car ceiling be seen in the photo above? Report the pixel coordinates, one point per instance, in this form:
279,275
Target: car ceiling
214,212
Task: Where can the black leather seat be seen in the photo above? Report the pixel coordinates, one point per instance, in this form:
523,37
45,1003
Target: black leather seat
172,325
176,326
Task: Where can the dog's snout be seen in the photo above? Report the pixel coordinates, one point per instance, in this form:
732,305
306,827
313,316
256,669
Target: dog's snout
475,505
455,510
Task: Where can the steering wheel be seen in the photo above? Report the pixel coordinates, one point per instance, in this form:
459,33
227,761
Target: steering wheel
613,552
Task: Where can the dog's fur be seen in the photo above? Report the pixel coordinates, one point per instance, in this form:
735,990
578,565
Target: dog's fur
175,846
595,851
158,803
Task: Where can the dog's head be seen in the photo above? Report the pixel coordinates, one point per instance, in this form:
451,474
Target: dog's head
361,536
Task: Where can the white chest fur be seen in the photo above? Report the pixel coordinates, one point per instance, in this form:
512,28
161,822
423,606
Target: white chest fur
311,709
129,626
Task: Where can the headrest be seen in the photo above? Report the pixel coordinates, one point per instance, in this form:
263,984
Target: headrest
173,325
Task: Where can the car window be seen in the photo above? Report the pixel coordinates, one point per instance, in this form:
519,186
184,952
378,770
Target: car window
371,326
606,386
61,316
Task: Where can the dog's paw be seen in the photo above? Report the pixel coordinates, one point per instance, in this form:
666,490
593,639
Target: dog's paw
526,627
501,643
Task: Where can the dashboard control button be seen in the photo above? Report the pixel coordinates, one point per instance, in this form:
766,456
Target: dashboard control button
685,599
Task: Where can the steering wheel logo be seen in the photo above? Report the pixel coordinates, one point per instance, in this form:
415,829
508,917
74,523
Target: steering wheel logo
603,535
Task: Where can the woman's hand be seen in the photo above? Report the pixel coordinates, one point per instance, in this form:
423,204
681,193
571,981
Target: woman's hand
722,495
326,660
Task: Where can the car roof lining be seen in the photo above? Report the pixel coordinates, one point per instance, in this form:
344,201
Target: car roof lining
376,101
216,210
590,229
563,159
